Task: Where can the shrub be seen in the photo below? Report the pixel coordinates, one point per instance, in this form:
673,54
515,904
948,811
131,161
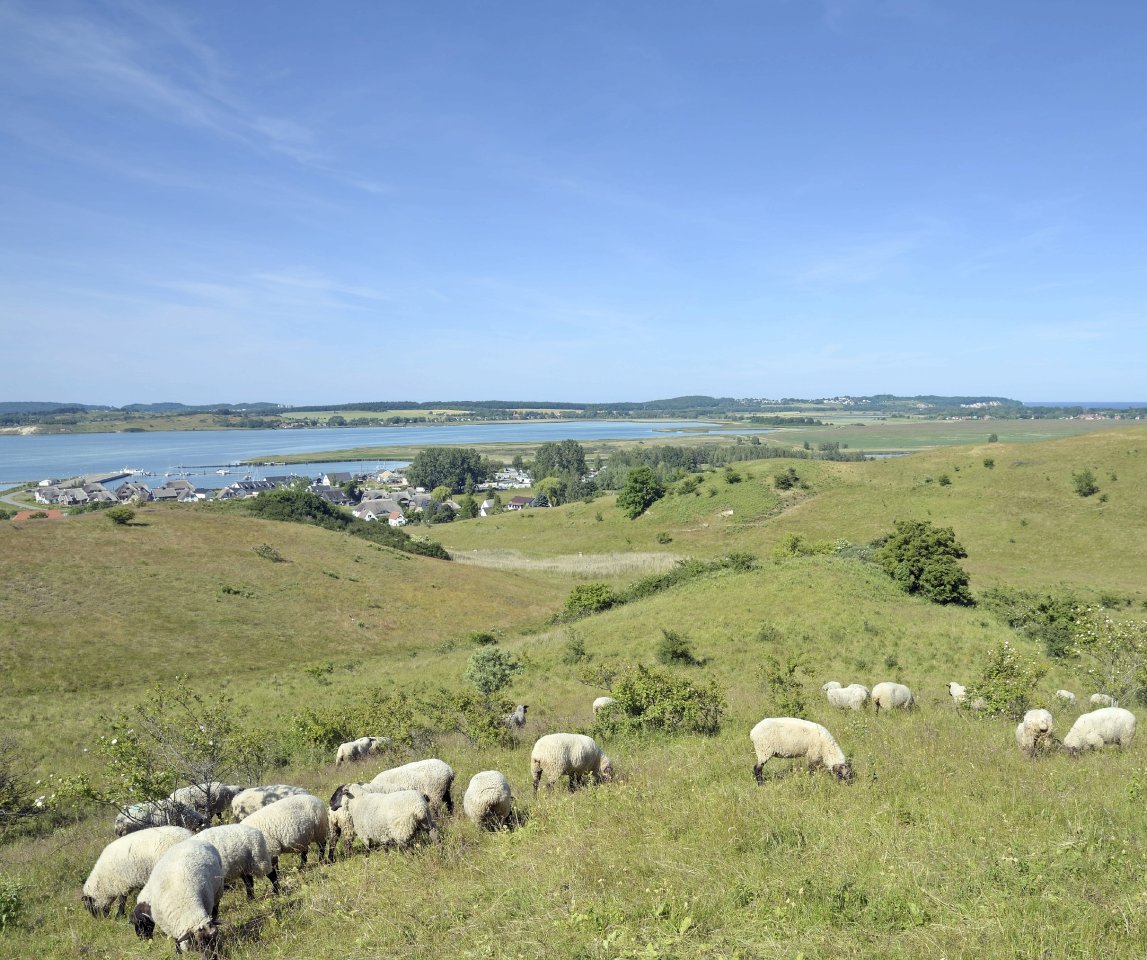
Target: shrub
663,537
16,801
993,438
651,700
783,684
990,463
731,475
11,904
267,552
1049,619
944,480
481,638
491,669
589,598
642,489
120,516
388,714
786,480
675,648
41,515
922,559
1116,653
795,545
1006,683
1084,482
477,718
575,651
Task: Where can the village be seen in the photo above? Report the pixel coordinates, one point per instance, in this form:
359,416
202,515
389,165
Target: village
383,497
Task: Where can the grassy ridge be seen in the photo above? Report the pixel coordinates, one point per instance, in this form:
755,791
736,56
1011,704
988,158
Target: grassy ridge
949,844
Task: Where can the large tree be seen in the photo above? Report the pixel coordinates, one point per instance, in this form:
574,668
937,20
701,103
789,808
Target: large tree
556,458
641,489
922,558
447,467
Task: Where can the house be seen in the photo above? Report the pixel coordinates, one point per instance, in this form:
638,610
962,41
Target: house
335,479
519,503
396,519
133,490
331,494
488,507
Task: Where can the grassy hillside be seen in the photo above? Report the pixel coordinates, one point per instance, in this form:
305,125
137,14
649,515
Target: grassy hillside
949,843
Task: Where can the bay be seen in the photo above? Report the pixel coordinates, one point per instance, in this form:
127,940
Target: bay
199,455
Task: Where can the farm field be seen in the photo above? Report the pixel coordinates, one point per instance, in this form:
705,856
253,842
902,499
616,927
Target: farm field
949,843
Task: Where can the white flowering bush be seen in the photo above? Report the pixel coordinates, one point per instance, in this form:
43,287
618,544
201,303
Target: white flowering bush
1007,682
1114,653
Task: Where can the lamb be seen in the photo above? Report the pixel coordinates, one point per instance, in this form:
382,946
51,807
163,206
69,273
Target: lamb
247,801
1066,696
852,697
1034,732
157,813
517,719
432,777
575,755
958,692
181,897
360,749
211,798
488,800
601,703
393,819
124,866
892,695
292,825
1102,700
1097,729
792,737
244,852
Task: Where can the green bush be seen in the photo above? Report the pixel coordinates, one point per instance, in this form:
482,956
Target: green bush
675,648
642,489
11,904
1006,683
784,686
476,718
120,516
267,552
491,669
482,638
1050,619
575,651
589,598
786,480
654,701
922,559
1084,483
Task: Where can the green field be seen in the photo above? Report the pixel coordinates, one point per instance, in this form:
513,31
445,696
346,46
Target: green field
949,844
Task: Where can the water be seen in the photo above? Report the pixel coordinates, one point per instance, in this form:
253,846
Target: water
198,455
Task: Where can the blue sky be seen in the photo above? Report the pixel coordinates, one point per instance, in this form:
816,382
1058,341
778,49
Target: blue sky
220,201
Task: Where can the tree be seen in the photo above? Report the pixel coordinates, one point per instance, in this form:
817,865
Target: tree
551,489
490,669
448,467
1085,484
922,559
120,516
441,494
468,508
641,490
556,458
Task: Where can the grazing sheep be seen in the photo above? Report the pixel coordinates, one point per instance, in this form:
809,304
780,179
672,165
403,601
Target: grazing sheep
517,719
394,819
792,737
292,825
1097,729
211,799
1034,732
575,755
360,749
181,897
601,703
247,801
124,867
1066,696
958,692
1102,700
852,697
157,813
432,777
831,685
244,852
488,800
891,696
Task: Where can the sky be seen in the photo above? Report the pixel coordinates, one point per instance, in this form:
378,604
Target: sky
597,201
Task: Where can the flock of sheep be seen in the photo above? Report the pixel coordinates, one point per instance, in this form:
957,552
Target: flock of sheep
180,874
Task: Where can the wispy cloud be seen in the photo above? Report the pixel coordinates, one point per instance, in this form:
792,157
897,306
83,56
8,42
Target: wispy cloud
858,262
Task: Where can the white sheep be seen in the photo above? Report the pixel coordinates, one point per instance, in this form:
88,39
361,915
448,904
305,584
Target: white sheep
394,819
211,798
360,749
1097,729
575,755
292,825
433,777
793,737
244,852
891,696
124,866
488,800
831,685
181,897
852,697
1066,696
157,813
247,801
958,692
601,703
1034,732
517,719
1102,700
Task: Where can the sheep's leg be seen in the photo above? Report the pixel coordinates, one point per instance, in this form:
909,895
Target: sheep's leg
449,801
249,883
122,909
757,772
273,876
537,780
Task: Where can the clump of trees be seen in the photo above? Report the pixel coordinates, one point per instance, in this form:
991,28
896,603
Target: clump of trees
923,559
656,701
456,468
642,489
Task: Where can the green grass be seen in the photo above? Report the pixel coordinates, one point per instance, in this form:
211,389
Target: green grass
949,843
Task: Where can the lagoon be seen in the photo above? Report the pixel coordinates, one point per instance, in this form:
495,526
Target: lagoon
199,455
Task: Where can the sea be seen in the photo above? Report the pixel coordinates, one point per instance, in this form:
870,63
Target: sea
217,458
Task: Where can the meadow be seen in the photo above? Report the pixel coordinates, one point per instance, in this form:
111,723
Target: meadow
949,843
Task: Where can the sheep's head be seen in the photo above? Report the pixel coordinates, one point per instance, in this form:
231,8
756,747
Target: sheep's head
843,772
94,909
605,768
341,792
205,939
141,920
